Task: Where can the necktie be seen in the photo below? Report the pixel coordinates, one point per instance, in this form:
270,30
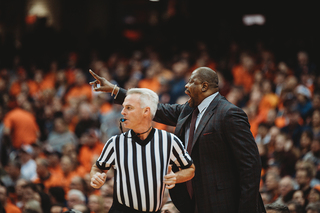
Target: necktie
190,142
192,128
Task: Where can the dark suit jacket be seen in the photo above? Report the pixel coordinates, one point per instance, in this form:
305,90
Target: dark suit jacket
225,155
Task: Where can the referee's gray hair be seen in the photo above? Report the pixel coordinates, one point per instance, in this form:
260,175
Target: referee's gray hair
148,98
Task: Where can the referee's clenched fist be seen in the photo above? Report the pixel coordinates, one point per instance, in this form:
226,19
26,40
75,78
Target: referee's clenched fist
98,179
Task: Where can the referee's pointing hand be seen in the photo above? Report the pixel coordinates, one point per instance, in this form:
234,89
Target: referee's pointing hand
98,180
170,179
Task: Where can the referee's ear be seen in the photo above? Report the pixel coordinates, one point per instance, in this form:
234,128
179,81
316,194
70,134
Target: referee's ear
147,111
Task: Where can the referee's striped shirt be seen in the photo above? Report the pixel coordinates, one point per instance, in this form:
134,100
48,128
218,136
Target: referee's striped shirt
140,168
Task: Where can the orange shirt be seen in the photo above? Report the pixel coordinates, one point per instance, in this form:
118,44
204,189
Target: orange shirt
105,108
10,208
66,180
23,127
87,156
56,170
242,77
15,88
53,180
152,84
79,91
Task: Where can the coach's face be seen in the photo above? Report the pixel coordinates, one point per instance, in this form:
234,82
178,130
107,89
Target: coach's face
132,111
193,89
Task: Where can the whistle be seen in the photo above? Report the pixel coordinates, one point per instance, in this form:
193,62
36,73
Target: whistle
122,119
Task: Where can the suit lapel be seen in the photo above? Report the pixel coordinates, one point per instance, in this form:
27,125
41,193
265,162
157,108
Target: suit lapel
205,118
182,121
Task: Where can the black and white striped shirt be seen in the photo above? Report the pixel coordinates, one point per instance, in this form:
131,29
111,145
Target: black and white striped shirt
141,166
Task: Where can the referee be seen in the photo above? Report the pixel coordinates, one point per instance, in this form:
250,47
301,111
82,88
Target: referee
141,158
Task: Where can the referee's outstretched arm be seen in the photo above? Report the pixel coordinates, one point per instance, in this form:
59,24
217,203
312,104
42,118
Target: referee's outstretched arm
98,177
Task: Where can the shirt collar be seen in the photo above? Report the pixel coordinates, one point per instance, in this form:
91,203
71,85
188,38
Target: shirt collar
205,103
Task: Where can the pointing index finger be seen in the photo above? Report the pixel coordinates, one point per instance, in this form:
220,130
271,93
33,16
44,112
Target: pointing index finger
94,75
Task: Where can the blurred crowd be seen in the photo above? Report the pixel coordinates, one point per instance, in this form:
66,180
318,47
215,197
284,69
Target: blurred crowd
53,125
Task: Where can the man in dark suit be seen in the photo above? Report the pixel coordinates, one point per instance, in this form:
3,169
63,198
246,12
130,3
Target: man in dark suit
222,147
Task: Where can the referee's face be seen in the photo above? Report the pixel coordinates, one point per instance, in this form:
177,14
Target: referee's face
132,112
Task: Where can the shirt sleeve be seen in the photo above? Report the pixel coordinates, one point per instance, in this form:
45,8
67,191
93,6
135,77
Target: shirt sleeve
107,156
179,156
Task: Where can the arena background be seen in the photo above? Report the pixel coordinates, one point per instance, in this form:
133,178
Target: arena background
39,30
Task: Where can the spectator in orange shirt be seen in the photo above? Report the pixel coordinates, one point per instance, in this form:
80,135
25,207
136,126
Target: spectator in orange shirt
70,170
20,125
5,202
81,91
90,149
151,80
22,84
53,158
45,177
243,72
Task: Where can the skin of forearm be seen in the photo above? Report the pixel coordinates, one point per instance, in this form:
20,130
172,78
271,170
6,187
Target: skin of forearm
185,174
94,170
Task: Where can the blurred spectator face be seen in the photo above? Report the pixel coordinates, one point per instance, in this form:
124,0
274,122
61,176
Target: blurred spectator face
266,87
19,187
106,190
89,138
38,76
279,143
61,77
180,69
81,207
56,209
73,200
80,78
285,186
274,131
305,141
315,146
85,111
302,58
316,101
271,182
314,196
316,118
298,197
66,164
60,125
77,183
28,194
107,203
13,171
41,169
301,178
280,77
271,116
3,195
94,204
247,62
68,149
263,131
53,159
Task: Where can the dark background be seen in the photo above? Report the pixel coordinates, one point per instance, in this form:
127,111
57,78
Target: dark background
99,27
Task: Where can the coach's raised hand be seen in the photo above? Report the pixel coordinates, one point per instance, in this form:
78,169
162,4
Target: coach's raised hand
105,85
